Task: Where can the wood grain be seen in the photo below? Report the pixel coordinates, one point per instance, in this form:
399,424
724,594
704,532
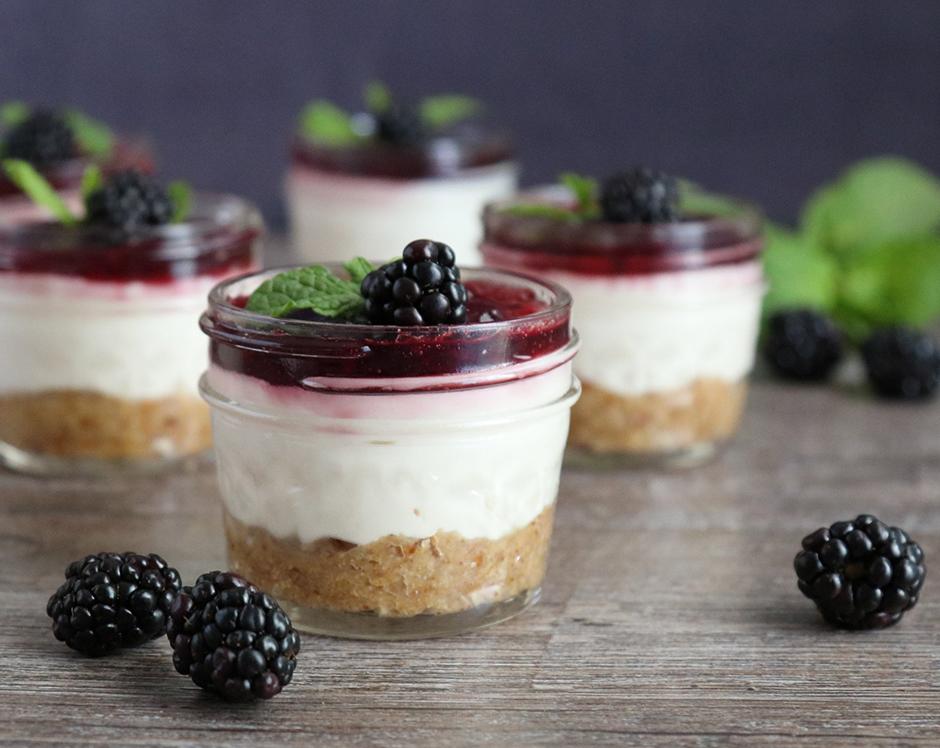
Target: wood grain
670,617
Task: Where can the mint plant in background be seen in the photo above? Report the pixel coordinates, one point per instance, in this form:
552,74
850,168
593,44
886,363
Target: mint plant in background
861,269
386,119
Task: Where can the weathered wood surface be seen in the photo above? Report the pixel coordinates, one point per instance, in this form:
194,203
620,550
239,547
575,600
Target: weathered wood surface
670,615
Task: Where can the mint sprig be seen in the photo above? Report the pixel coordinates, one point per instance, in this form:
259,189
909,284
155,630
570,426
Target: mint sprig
13,112
181,195
377,97
315,288
94,137
444,110
25,176
327,124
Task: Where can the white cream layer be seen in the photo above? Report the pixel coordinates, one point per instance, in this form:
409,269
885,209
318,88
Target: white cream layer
656,333
134,341
335,217
312,465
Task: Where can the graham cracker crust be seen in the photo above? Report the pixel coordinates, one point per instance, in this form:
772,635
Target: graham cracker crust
706,411
394,576
76,423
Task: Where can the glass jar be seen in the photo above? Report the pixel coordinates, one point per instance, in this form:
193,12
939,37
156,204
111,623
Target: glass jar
668,314
393,483
343,202
102,348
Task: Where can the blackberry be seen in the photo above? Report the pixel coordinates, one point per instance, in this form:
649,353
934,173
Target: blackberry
232,638
399,125
128,200
640,195
902,363
43,139
422,288
802,345
113,600
861,574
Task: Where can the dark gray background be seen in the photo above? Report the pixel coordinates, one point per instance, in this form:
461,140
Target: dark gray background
765,98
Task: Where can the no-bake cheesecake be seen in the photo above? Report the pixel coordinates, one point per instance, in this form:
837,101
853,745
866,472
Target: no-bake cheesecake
396,171
389,444
99,324
667,287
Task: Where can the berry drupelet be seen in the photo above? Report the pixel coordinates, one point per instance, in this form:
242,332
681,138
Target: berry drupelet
802,345
861,574
113,600
422,288
902,363
43,139
231,638
640,195
128,200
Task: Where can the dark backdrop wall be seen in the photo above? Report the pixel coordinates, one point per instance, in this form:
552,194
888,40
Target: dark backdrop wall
758,97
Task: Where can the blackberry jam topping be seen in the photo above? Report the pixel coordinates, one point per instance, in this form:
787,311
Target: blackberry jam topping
231,638
43,139
640,195
113,600
423,288
861,574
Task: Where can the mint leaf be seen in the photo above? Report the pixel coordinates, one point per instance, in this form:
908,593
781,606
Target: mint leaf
358,268
34,184
180,195
695,201
542,210
377,97
313,287
94,137
875,201
13,112
442,111
799,274
91,181
585,191
325,123
897,282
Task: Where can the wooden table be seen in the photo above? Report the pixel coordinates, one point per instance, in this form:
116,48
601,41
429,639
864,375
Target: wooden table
670,616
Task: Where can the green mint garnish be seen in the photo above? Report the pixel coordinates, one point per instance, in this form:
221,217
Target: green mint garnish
314,288
92,180
34,184
325,123
181,195
801,275
94,137
585,191
445,110
377,97
13,112
542,210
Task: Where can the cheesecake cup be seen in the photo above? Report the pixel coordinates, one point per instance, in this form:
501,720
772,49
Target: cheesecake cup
102,348
344,201
668,314
127,153
387,482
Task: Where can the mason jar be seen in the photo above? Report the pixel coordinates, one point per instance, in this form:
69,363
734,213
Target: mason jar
388,482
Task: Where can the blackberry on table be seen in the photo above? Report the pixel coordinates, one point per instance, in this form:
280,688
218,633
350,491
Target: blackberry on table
802,345
640,195
902,363
43,138
113,600
231,638
422,288
129,200
861,574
